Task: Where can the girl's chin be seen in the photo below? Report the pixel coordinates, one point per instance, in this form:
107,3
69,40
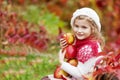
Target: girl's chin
80,38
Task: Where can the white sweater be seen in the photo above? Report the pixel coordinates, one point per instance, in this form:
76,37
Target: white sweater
81,69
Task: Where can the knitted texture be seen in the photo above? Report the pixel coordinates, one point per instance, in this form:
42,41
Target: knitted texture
86,49
87,12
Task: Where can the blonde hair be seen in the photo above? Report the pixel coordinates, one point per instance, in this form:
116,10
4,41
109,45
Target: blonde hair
96,35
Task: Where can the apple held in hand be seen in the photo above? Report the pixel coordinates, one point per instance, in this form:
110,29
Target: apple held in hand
59,72
73,62
70,52
69,37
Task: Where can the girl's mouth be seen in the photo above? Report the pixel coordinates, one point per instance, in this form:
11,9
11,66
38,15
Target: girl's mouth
79,34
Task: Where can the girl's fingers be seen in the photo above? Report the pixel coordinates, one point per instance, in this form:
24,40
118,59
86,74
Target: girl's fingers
63,43
63,40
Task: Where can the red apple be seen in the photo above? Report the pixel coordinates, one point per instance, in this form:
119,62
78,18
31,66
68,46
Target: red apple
73,62
59,72
69,38
70,52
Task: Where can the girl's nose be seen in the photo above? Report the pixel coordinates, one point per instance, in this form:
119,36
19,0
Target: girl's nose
80,33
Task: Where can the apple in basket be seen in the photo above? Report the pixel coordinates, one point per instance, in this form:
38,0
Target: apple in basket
59,72
73,61
70,52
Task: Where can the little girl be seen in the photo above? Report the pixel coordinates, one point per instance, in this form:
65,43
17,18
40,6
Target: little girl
88,42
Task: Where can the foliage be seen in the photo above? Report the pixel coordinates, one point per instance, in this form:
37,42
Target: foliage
50,21
20,32
47,16
31,67
110,63
32,14
110,20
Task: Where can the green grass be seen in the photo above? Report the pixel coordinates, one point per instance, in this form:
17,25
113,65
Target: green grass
31,67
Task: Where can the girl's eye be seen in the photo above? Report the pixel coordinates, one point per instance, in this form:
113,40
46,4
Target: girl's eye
84,27
76,26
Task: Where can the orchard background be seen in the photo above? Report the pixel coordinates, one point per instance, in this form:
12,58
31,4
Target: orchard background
30,32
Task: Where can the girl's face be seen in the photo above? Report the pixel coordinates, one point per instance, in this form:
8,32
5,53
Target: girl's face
82,29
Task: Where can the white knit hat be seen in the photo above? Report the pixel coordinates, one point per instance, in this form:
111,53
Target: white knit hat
87,12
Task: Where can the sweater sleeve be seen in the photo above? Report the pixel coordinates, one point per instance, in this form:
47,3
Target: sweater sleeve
72,70
81,69
89,65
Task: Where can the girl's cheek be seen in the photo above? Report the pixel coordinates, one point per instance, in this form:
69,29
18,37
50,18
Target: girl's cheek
75,29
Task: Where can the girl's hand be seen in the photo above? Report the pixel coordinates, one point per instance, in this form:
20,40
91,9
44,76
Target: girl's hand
61,56
63,43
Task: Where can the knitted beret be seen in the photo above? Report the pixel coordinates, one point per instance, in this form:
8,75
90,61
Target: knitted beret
87,12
